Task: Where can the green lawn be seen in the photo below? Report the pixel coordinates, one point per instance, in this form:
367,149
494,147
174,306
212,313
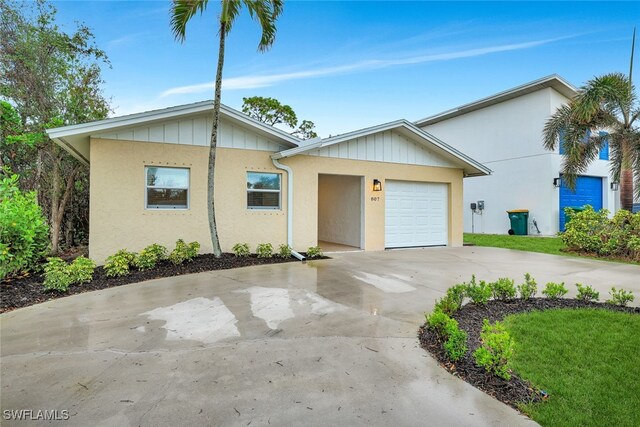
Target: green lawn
586,359
546,245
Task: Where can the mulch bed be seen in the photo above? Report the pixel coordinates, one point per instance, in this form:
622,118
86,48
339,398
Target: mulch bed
470,317
28,290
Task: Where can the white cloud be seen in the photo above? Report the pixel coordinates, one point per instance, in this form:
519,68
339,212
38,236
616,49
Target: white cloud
256,81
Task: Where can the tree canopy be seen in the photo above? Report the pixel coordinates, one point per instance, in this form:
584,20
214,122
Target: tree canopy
273,112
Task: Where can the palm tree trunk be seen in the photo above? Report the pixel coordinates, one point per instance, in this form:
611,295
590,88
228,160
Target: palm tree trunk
626,189
215,241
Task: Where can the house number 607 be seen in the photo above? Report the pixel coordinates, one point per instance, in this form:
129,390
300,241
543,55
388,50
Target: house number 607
375,198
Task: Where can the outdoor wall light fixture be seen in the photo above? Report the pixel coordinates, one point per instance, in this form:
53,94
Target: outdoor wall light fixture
615,186
377,185
556,182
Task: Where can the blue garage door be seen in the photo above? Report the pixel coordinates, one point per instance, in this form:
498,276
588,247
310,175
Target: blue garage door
588,191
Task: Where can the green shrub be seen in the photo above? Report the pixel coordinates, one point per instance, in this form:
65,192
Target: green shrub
150,256
24,233
496,349
529,288
56,275
583,231
314,252
503,289
81,270
620,297
453,299
456,344
478,292
241,250
594,232
555,290
264,250
184,252
587,293
119,263
438,321
284,251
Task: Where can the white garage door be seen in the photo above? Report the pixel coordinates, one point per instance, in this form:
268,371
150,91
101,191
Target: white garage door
415,214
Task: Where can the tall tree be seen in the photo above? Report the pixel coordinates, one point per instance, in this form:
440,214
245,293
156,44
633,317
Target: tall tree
52,78
272,112
605,110
266,12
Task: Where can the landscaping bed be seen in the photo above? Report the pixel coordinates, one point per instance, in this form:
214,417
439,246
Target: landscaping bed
514,391
28,289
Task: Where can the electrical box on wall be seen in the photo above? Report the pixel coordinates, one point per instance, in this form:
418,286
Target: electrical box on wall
480,205
473,206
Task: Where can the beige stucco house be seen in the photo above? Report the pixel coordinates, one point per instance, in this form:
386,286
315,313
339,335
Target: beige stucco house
388,186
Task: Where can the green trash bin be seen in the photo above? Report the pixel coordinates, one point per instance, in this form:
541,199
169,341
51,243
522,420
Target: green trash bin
519,222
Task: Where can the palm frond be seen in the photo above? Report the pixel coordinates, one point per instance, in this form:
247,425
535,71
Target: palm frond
555,126
266,12
181,12
610,91
615,156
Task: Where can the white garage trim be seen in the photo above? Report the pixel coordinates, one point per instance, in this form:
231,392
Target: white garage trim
416,214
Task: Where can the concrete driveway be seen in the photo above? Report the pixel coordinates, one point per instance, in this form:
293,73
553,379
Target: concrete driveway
329,342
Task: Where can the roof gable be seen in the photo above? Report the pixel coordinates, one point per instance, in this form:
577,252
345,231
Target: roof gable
184,124
554,81
394,142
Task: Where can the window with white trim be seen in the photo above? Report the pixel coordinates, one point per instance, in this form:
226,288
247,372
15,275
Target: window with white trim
263,190
166,188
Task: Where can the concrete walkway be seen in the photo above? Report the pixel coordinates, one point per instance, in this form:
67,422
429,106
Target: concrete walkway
329,342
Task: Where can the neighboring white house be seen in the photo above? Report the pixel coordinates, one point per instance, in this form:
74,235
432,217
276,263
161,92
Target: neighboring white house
504,132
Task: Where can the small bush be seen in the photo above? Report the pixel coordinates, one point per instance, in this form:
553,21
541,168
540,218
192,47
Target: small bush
56,275
438,321
59,275
284,251
453,299
150,256
456,344
529,288
478,292
620,297
241,250
555,290
119,263
24,233
81,270
496,350
264,250
593,232
314,252
587,293
503,289
183,252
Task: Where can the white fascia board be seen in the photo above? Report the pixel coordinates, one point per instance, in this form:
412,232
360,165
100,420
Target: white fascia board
553,81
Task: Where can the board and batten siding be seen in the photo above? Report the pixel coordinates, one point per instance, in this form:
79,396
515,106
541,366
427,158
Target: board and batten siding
196,131
388,147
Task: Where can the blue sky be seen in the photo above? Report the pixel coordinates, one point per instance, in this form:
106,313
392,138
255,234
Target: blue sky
351,64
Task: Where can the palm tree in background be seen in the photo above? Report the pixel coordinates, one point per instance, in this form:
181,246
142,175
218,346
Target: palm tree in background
266,12
606,103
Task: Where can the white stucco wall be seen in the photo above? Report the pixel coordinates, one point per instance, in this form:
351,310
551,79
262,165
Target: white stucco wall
339,209
507,138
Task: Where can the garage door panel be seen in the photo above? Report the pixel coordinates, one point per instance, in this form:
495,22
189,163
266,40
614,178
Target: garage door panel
588,191
416,214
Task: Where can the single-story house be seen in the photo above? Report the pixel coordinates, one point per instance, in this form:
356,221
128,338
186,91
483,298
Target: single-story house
504,132
387,186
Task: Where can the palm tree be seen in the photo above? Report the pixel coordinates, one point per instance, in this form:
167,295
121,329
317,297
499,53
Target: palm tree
266,12
606,103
